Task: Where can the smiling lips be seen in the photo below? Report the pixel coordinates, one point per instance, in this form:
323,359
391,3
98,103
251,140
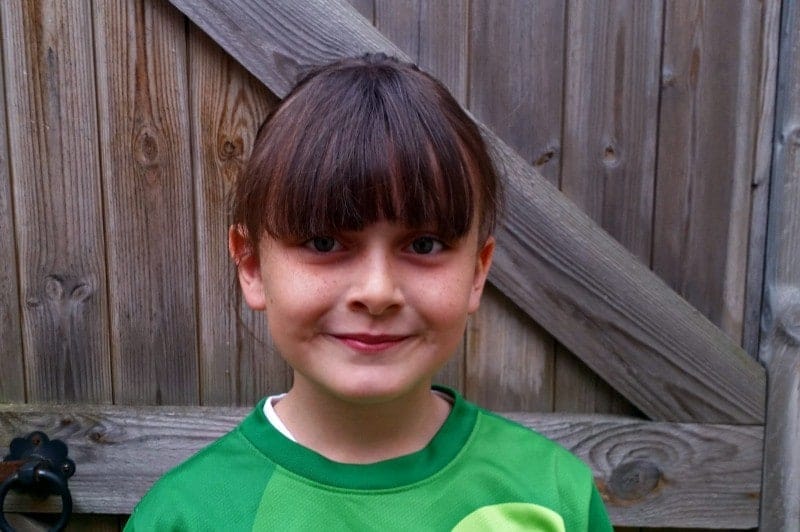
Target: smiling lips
370,343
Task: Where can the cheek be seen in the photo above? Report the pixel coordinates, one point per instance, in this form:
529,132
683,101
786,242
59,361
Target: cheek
292,299
446,300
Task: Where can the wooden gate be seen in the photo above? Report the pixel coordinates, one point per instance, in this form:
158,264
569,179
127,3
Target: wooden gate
124,127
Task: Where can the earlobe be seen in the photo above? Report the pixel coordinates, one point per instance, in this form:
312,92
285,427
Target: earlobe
248,267
482,265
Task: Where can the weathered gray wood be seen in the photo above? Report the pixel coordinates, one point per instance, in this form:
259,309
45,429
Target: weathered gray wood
767,81
52,139
515,87
780,496
509,359
434,36
780,347
552,261
366,8
610,123
708,119
656,474
12,385
237,362
144,123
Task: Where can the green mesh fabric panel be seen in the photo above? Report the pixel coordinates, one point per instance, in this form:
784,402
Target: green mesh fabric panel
255,479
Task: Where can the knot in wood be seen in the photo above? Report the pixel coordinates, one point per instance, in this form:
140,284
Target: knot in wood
145,147
230,149
54,287
545,157
791,137
633,480
610,157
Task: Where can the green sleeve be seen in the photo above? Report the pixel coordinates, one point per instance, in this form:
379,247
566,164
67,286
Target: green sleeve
598,517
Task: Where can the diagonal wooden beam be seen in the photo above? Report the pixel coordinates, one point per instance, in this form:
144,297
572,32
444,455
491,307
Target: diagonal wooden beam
553,261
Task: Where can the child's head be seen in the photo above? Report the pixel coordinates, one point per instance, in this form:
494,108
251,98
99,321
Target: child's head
363,140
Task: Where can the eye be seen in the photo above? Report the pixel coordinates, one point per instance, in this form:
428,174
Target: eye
323,244
425,245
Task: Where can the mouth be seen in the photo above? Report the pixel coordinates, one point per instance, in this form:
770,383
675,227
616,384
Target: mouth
370,343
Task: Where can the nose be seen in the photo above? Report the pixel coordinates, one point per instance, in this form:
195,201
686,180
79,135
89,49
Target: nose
375,287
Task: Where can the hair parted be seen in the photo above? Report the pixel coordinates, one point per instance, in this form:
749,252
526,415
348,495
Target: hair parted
362,140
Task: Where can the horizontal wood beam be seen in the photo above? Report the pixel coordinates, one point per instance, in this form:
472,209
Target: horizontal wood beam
553,261
650,473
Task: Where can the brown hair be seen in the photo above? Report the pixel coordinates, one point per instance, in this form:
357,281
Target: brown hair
361,140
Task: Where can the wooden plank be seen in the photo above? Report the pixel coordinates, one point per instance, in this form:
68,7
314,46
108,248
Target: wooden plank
52,134
652,474
238,363
552,260
781,344
515,87
434,36
366,8
780,496
767,82
509,358
12,385
708,119
146,159
608,168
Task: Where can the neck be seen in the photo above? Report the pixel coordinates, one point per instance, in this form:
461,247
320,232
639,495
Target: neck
360,433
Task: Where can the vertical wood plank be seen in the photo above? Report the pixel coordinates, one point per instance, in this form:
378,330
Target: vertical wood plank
143,103
709,107
515,87
610,113
238,364
12,385
767,81
366,8
781,348
53,137
434,35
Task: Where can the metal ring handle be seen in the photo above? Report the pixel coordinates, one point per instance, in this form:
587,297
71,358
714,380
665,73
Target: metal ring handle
40,473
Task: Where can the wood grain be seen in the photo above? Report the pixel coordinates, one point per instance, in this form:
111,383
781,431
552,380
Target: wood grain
366,8
238,363
780,497
52,139
515,87
709,108
509,358
762,166
610,124
780,347
12,385
146,159
434,36
552,261
705,475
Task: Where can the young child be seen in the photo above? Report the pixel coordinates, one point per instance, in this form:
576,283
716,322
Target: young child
363,229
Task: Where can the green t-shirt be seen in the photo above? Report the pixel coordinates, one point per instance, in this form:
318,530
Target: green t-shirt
479,472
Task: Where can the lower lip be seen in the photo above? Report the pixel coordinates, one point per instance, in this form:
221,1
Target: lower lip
369,347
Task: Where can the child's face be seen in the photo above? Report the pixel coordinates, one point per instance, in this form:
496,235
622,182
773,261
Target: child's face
368,315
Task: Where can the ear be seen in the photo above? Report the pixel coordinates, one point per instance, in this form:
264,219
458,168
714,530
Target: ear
248,266
482,265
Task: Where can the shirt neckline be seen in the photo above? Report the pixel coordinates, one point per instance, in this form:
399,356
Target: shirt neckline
403,470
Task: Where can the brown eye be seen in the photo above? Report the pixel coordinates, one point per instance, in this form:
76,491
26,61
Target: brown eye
425,245
322,244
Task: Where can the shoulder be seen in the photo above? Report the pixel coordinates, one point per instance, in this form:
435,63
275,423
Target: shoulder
188,497
516,440
542,468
